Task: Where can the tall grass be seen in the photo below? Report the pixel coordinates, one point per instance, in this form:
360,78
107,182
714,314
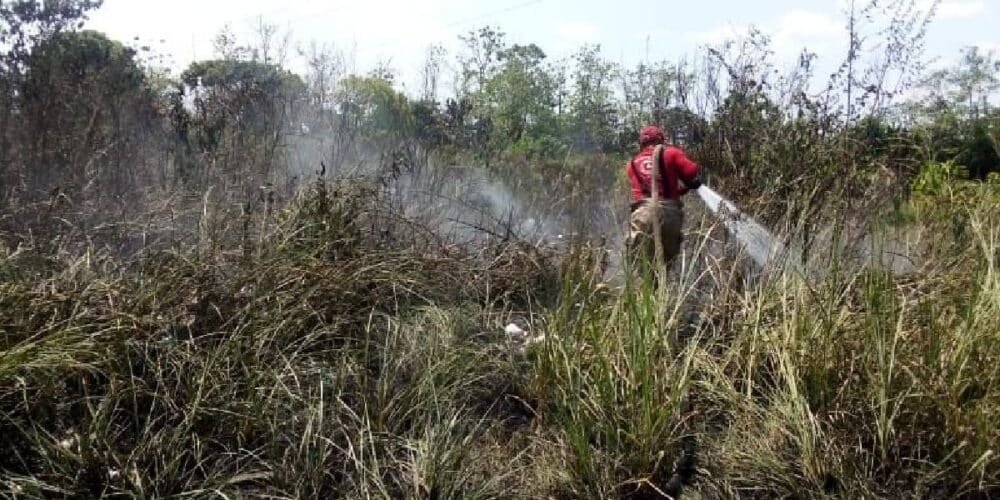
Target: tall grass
336,356
320,362
855,383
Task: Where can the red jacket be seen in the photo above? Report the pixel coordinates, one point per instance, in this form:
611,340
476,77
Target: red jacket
676,165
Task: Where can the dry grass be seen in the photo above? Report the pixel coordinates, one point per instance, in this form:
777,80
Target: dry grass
317,350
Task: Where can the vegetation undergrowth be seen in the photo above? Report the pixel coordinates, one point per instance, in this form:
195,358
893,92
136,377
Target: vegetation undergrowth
184,312
327,362
321,360
859,384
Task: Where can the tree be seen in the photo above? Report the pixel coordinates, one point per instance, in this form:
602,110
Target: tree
652,93
325,67
428,125
592,103
900,30
954,115
519,101
241,108
370,108
85,108
23,25
480,59
974,81
430,73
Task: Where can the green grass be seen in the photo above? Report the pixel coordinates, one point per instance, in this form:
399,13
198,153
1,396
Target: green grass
305,357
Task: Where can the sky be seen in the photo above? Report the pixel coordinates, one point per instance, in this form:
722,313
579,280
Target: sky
400,31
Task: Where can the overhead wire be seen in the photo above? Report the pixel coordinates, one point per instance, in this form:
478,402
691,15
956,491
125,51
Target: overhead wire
460,22
298,17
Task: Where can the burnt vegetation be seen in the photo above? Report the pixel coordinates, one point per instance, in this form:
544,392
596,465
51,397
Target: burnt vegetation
243,281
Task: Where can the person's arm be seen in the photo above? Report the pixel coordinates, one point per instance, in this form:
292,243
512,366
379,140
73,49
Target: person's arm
688,171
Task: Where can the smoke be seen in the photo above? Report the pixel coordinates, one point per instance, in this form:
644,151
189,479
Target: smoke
461,204
467,205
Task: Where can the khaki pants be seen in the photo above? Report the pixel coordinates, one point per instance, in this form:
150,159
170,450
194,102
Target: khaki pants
642,232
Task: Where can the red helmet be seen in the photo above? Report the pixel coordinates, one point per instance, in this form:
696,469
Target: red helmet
650,135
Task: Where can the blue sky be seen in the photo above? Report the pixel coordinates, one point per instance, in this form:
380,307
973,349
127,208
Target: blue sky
400,30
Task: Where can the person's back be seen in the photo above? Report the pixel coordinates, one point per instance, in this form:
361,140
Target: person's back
673,175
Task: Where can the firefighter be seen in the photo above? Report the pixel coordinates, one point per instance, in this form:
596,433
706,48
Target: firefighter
660,175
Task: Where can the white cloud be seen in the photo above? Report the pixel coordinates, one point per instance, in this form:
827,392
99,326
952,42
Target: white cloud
807,25
370,31
793,31
961,9
721,34
362,30
800,29
947,9
570,35
577,30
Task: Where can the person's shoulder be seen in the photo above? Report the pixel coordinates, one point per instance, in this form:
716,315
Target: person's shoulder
674,152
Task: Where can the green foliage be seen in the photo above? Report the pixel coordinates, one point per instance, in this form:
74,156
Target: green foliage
240,111
231,75
943,197
979,151
614,385
372,107
958,120
481,58
82,56
938,179
518,102
87,107
24,23
330,345
593,113
514,99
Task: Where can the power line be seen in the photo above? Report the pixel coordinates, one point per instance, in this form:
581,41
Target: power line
495,13
453,24
287,9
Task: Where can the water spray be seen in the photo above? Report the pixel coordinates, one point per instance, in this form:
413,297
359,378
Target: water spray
763,247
